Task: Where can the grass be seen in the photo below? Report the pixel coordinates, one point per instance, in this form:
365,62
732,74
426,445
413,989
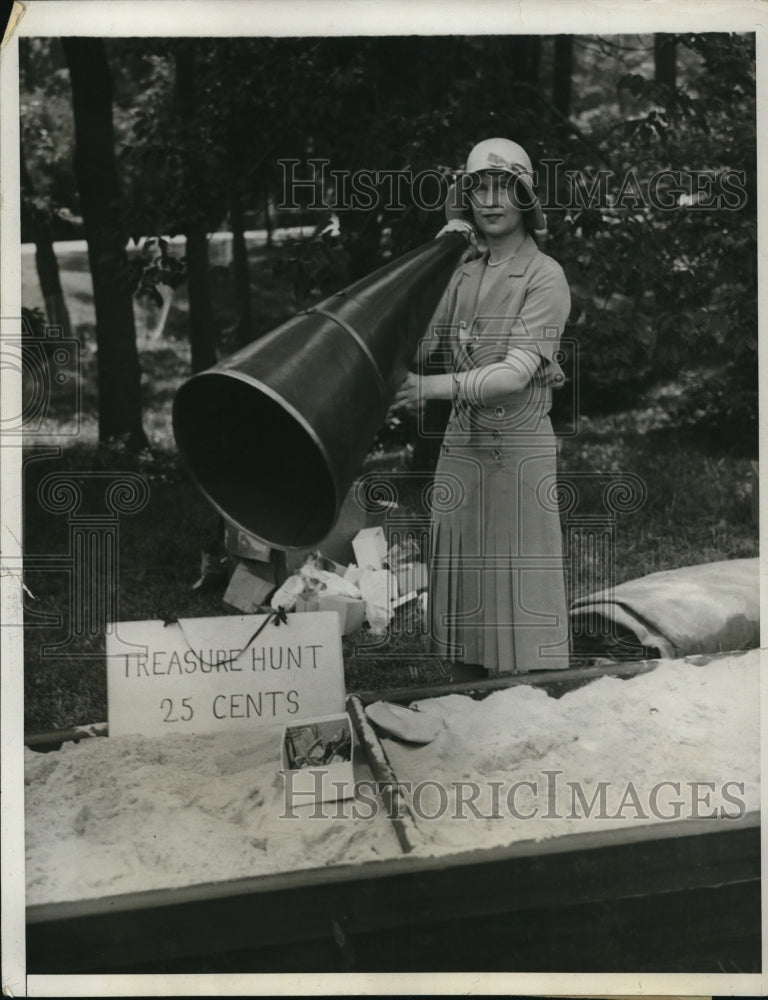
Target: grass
697,509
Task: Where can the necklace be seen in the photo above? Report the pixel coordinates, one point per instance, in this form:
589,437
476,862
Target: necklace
495,263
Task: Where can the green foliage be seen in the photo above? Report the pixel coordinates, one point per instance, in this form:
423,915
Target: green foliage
719,407
313,268
660,289
48,191
155,265
170,155
656,290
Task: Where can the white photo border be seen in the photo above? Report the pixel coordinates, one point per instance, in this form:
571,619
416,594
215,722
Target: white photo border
149,18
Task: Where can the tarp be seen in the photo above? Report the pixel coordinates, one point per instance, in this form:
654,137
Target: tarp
709,608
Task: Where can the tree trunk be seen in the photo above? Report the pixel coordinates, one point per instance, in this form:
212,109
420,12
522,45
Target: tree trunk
521,56
665,59
202,332
119,374
241,270
562,74
56,310
268,221
534,60
201,327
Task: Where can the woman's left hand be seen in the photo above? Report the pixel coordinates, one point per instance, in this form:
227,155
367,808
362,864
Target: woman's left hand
410,392
468,231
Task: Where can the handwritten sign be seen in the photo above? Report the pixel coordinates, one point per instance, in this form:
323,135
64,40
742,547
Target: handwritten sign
200,675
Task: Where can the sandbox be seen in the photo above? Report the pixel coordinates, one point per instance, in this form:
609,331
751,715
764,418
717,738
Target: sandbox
138,848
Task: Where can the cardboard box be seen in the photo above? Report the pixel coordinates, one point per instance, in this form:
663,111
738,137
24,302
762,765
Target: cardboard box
351,610
411,576
250,585
370,548
307,604
317,760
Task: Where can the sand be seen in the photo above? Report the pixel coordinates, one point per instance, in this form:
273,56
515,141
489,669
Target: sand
680,742
111,816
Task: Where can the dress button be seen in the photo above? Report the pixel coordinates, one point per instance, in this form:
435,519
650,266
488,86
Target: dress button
497,434
446,448
500,411
496,454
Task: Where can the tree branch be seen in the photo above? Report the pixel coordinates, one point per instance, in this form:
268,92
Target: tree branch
571,126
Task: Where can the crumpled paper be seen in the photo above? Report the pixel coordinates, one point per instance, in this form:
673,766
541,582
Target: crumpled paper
379,590
311,580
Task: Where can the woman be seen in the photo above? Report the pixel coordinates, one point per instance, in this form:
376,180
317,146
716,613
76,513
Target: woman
497,590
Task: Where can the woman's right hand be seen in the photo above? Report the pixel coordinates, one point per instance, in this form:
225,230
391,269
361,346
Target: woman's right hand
409,393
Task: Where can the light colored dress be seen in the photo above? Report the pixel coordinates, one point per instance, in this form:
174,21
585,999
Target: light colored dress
497,589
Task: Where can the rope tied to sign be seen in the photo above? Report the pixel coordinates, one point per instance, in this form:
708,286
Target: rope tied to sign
273,616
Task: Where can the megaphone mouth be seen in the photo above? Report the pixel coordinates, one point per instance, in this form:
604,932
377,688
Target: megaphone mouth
255,458
275,434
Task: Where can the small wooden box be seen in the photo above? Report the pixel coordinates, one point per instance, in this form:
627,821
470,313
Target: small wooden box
317,758
307,604
249,586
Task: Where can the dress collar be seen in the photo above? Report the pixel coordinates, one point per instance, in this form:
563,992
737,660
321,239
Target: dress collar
515,267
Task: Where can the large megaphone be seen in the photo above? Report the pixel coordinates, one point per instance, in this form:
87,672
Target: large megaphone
275,434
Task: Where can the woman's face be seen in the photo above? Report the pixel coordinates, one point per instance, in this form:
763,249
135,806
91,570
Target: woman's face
494,206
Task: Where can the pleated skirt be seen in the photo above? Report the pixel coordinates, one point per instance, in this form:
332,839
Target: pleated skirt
497,593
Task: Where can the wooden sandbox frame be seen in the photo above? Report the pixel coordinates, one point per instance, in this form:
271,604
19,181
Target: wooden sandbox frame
680,896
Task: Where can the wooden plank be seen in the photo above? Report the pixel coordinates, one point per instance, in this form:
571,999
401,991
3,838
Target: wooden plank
650,934
710,930
420,894
398,810
54,737
572,677
689,830
540,678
